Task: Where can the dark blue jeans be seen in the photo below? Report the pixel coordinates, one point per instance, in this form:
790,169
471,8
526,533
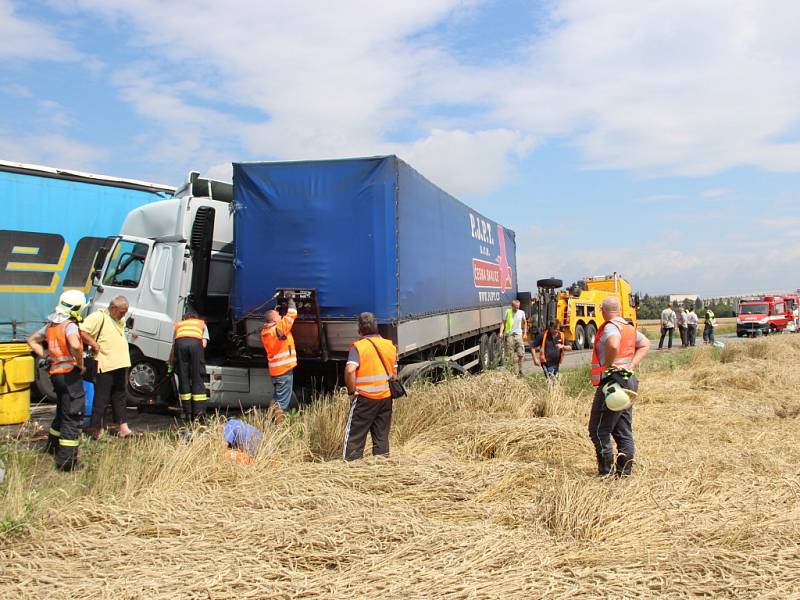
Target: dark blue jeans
664,331
550,370
283,389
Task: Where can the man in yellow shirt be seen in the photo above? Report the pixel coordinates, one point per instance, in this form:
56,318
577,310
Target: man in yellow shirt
107,328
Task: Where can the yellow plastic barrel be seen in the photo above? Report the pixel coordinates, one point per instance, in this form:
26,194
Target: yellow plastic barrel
16,376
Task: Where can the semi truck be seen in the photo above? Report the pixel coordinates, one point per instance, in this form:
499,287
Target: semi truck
344,236
53,223
577,306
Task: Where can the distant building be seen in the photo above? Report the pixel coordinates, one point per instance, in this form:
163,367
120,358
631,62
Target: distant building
683,297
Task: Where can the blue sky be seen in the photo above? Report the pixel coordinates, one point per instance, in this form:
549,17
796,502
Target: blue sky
659,139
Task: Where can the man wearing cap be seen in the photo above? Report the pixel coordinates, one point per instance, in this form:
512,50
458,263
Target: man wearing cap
618,350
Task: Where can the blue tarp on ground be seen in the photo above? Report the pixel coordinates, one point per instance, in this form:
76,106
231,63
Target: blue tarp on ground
369,234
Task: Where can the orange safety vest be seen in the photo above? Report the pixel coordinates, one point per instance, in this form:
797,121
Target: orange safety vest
372,375
542,357
281,355
627,348
190,328
61,359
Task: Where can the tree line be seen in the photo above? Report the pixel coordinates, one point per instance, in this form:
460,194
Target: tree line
650,307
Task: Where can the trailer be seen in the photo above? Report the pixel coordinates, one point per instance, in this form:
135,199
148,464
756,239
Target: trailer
347,236
53,223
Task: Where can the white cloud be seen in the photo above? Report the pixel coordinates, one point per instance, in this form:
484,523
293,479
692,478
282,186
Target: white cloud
664,88
463,163
17,90
717,192
221,172
676,87
706,268
25,39
317,83
53,149
784,222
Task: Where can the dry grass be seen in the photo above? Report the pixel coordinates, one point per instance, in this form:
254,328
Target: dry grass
489,493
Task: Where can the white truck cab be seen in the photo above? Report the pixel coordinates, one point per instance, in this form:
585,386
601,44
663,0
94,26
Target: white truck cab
168,254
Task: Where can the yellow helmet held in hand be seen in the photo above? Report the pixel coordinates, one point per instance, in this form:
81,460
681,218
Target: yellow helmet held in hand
71,303
617,397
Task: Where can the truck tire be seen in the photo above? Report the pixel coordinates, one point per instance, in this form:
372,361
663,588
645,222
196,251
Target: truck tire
148,383
591,332
484,354
496,351
580,337
434,371
43,384
549,283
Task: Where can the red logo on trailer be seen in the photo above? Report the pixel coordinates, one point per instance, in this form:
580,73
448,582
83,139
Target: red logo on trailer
497,274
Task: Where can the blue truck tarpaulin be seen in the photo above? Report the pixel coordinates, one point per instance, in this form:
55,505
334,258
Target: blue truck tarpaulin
369,234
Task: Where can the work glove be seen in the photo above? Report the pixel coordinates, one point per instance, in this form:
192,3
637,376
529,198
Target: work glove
170,369
43,363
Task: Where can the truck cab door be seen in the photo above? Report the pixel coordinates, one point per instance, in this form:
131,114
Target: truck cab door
148,274
158,294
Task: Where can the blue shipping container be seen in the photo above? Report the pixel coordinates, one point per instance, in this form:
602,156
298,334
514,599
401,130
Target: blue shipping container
369,234
50,230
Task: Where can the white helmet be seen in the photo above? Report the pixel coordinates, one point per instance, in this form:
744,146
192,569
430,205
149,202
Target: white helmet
617,397
71,303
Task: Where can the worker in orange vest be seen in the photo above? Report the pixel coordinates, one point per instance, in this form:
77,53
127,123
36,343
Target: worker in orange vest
370,364
187,358
66,367
618,349
548,349
276,336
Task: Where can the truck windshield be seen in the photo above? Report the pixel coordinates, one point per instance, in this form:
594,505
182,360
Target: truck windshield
126,264
753,309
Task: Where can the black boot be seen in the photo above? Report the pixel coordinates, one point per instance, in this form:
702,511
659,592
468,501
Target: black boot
605,461
51,446
186,410
66,458
624,465
199,412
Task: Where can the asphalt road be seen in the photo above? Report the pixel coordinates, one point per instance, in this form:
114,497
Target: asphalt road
578,358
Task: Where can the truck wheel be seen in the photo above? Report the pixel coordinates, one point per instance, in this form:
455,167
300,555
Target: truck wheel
434,371
44,384
148,382
591,332
497,357
580,337
549,283
484,354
